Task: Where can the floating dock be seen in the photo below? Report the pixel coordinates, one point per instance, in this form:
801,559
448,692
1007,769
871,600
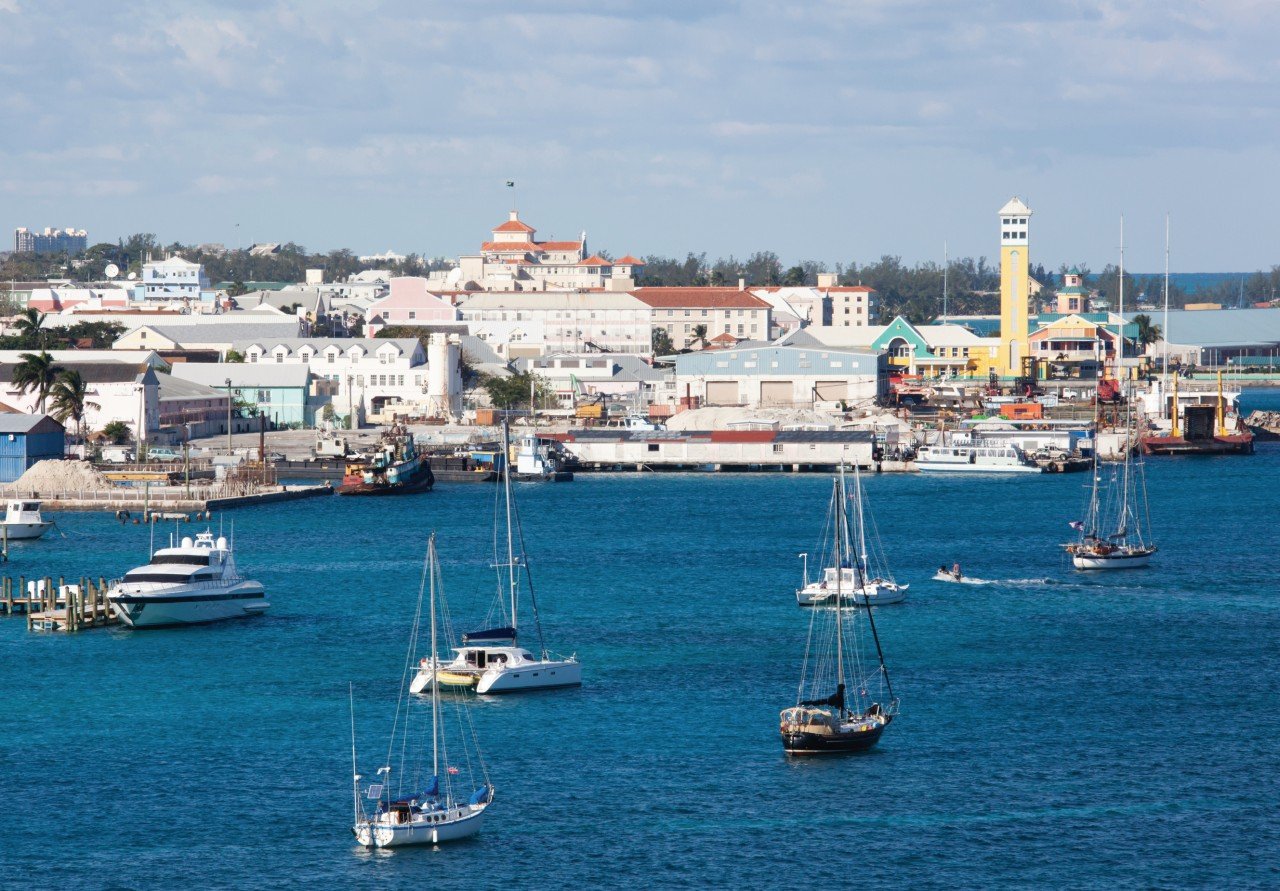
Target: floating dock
57,607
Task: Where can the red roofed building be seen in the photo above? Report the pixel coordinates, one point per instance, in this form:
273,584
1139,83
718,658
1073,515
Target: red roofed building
514,260
679,311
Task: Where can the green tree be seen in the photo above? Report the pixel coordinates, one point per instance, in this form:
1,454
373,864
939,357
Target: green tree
1147,332
233,356
513,391
116,431
662,345
30,327
68,399
700,335
36,372
237,288
794,277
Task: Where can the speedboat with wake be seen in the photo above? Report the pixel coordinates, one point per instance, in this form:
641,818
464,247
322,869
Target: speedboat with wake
191,582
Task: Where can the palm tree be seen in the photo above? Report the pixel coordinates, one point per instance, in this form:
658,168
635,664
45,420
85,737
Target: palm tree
30,326
700,335
68,399
1147,332
36,372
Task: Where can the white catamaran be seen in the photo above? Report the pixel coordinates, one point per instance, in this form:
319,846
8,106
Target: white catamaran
492,660
406,806
844,701
858,575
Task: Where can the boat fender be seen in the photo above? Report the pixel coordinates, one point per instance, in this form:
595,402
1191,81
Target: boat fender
1054,467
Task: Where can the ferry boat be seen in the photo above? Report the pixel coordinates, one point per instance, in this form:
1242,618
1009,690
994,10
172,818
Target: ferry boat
191,582
395,468
22,521
963,454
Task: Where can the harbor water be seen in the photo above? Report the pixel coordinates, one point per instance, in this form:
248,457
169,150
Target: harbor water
1057,729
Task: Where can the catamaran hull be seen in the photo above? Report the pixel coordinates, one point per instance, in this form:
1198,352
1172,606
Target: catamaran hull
876,595
524,678
26,531
385,835
802,743
192,608
1112,561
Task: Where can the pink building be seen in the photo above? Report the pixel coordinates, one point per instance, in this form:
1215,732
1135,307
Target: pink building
409,303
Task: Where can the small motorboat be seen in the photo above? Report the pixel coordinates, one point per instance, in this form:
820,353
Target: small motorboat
22,521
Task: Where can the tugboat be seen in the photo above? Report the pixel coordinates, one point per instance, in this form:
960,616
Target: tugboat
394,468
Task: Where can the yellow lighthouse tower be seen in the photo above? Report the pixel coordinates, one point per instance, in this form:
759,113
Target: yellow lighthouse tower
1015,286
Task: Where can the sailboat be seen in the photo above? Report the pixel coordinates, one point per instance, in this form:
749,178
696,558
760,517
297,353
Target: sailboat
861,577
492,660
842,703
1115,532
403,806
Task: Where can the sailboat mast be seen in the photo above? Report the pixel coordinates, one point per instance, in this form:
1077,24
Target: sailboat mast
1164,385
512,577
433,567
1122,522
355,775
840,547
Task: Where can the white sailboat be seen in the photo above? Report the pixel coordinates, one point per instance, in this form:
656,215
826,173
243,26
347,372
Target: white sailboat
1115,532
403,806
851,572
492,660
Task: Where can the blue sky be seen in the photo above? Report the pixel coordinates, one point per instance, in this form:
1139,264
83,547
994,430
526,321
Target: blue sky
823,130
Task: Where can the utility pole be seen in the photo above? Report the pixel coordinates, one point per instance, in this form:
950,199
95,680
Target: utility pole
228,417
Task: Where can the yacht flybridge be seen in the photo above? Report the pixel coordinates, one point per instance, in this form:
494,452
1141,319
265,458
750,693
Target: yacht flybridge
192,581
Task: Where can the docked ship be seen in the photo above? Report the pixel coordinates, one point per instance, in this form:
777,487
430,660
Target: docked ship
191,582
395,467
961,453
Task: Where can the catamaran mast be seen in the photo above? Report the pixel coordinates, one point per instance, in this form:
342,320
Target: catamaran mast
513,578
355,775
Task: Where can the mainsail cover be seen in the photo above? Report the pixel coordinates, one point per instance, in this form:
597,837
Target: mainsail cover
490,635
836,699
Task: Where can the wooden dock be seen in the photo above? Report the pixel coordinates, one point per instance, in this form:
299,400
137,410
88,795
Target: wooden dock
57,607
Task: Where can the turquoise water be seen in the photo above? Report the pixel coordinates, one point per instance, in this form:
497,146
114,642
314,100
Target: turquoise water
1057,729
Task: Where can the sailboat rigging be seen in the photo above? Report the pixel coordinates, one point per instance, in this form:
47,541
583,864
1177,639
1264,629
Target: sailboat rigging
403,807
842,704
492,660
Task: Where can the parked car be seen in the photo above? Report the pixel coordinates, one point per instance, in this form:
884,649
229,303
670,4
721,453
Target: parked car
163,453
117,454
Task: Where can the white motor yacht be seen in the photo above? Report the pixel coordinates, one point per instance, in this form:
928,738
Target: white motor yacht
188,583
22,520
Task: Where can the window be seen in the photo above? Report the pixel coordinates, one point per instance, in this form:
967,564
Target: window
329,357
399,380
704,313
653,446
264,396
279,358
413,314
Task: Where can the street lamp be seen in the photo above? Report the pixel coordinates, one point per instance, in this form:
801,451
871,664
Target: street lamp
228,416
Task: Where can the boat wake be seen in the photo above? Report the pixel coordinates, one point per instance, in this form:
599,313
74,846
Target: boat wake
963,580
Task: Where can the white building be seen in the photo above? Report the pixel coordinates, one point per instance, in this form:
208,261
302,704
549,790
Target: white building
116,389
782,376
174,278
529,324
372,374
722,311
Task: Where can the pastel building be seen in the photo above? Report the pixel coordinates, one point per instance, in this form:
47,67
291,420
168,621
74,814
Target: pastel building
514,260
409,302
733,311
1015,286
